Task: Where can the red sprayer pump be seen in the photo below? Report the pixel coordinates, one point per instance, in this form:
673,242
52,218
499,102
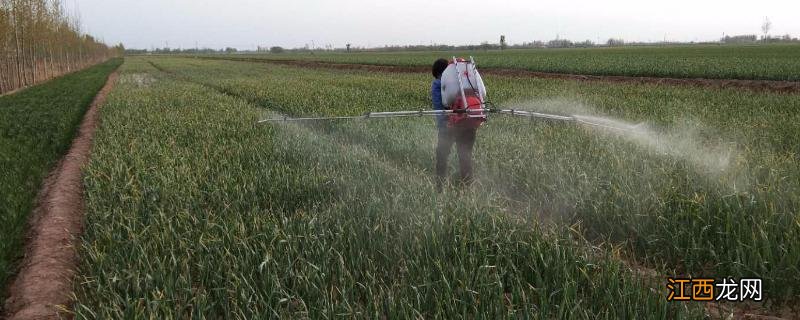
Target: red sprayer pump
463,90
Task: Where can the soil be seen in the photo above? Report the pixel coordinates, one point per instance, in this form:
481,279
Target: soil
8,93
43,287
755,85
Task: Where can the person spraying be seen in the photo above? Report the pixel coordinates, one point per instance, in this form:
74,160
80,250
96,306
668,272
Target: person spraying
457,86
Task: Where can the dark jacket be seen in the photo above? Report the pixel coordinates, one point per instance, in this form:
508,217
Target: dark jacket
436,99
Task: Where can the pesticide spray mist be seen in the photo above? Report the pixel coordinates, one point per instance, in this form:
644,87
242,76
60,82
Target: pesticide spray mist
683,142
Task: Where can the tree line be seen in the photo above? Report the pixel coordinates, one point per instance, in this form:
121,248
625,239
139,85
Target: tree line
39,41
166,50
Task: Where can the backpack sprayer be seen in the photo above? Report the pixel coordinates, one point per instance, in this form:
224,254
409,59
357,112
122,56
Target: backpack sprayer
464,92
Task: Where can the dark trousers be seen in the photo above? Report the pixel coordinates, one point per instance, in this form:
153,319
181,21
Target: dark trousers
464,139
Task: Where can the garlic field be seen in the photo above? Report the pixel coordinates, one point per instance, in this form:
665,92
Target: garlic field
765,62
196,211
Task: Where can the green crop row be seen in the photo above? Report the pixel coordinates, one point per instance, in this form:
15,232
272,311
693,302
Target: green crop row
195,211
763,62
710,189
36,128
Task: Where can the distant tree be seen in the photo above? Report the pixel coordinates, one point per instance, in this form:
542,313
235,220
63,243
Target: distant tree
746,38
613,42
765,27
559,43
276,49
136,51
120,49
486,46
230,50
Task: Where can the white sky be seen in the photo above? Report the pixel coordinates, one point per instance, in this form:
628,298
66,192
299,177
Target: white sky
247,23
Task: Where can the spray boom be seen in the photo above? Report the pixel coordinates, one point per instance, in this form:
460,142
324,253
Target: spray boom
460,83
420,113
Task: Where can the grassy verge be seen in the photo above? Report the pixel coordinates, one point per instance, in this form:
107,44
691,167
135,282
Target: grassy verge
195,211
36,128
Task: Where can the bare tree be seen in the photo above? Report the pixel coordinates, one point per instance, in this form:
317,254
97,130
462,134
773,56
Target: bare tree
765,27
38,41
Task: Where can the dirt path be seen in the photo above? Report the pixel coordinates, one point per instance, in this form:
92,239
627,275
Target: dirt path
755,85
42,288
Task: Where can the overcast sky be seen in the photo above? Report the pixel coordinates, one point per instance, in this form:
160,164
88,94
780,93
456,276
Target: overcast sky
247,23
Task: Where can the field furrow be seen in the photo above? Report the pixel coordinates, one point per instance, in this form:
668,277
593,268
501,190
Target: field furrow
37,126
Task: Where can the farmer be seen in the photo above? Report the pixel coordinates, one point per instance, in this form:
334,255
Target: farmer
463,136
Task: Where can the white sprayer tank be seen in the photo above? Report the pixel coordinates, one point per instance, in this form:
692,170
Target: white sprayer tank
461,76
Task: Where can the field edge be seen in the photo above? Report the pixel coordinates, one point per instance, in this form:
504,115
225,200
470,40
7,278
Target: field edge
41,288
